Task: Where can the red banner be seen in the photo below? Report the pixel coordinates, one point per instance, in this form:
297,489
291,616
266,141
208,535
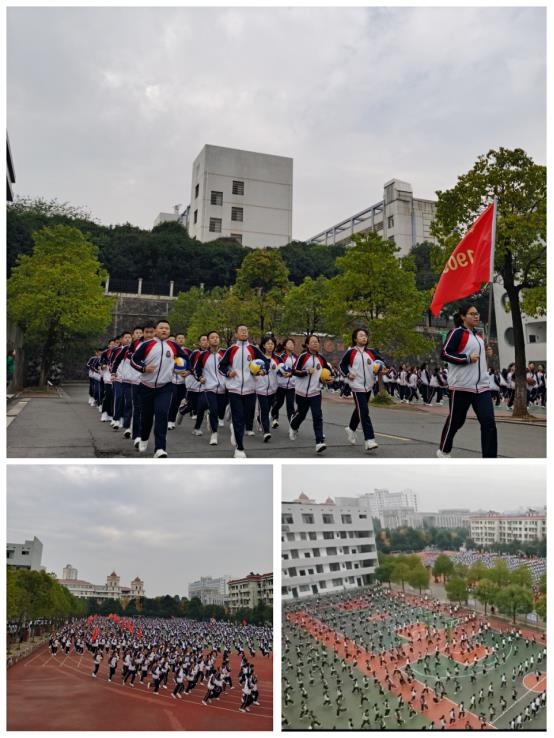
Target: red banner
470,264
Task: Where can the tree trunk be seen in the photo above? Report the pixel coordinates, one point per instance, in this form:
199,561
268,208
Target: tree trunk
46,354
520,401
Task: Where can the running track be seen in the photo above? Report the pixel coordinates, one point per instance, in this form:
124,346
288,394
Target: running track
58,693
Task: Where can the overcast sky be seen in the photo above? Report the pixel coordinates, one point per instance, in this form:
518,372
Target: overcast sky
108,107
168,526
471,486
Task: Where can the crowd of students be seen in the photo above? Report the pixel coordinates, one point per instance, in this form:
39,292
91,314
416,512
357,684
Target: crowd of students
178,655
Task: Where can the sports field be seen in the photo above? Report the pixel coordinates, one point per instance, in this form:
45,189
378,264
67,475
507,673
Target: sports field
382,660
58,693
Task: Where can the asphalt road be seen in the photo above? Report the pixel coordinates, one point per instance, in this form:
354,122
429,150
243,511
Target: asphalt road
65,426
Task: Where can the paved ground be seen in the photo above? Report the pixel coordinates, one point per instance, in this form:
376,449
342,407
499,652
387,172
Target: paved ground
47,693
65,426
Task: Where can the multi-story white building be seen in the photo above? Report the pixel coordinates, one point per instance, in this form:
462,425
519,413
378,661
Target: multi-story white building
534,332
326,547
26,555
399,215
493,527
242,195
112,590
454,518
250,591
381,503
210,590
69,572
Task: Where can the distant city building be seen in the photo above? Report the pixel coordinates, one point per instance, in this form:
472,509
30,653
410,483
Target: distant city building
26,555
112,590
398,215
69,572
10,171
492,527
326,547
454,518
242,195
250,591
175,217
391,508
210,590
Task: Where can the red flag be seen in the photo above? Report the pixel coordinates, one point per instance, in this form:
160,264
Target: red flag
139,634
469,265
94,634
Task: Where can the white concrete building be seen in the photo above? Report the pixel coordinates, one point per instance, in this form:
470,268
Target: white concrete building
250,591
398,215
210,590
493,527
534,331
111,590
26,555
385,505
454,518
326,547
242,195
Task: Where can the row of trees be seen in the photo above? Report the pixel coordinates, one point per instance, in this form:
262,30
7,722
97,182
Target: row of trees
33,595
403,569
407,539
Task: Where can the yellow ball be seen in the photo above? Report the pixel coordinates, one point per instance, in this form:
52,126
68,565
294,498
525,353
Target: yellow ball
325,375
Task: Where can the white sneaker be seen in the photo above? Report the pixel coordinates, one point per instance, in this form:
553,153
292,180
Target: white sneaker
267,437
351,435
221,423
90,401
213,439
370,444
275,423
104,417
160,454
127,433
320,447
170,425
250,433
233,440
443,455
116,425
292,434
99,408
136,442
196,432
239,454
142,445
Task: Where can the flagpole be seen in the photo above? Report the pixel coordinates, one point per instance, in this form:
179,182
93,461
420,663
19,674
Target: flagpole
493,244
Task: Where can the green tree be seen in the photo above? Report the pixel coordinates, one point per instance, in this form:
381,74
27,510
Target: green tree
522,576
477,572
383,572
56,294
420,261
499,573
310,260
520,255
486,592
456,589
443,567
375,289
263,281
305,307
222,310
401,572
513,600
419,577
542,584
182,312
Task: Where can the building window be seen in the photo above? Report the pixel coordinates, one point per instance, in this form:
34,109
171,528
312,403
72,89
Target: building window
287,519
328,519
237,214
238,187
215,225
323,585
216,198
196,191
196,216
307,519
336,582
237,237
390,221
346,519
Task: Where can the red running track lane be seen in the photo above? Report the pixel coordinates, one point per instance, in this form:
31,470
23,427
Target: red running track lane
347,650
58,693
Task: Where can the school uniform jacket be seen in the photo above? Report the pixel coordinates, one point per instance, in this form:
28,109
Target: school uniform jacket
360,362
207,366
462,373
308,385
288,362
267,384
162,354
237,358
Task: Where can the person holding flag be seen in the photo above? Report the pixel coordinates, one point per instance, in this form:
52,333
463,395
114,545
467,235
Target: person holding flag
469,266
